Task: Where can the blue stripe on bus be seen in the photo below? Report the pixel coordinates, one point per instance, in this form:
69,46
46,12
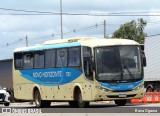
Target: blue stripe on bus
51,76
121,86
53,46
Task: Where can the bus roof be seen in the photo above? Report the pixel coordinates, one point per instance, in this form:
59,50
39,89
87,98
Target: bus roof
81,41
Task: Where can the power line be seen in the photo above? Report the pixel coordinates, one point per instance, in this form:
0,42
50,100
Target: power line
65,33
53,35
87,14
27,12
47,12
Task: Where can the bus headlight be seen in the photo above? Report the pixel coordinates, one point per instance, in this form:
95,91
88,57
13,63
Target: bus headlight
103,89
139,87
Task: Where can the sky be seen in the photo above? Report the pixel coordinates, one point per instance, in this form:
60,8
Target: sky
40,28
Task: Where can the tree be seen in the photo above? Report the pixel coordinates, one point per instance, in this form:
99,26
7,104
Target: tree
132,30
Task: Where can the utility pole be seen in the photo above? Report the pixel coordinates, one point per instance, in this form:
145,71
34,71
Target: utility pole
61,19
105,29
26,41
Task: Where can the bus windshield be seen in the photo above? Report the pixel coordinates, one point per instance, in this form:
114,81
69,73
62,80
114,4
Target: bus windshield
118,64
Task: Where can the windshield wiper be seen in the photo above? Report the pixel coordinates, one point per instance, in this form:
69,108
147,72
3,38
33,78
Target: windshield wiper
131,75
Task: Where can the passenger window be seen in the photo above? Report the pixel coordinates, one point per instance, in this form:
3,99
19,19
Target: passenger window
74,55
61,58
18,60
39,59
28,60
50,58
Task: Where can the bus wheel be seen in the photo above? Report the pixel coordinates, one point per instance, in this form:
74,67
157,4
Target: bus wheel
39,102
37,98
120,102
80,102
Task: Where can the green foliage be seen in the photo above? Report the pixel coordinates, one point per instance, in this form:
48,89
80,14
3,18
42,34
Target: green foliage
132,30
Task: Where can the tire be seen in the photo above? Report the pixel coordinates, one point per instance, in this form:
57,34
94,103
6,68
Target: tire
80,103
120,102
6,104
39,102
37,99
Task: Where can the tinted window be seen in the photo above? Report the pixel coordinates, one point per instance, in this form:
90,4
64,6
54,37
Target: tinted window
50,58
87,63
39,59
18,60
61,57
28,60
74,57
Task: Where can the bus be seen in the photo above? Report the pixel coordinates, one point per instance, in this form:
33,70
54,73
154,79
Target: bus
79,71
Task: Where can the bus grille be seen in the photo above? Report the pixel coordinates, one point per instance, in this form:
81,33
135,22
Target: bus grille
1,96
116,96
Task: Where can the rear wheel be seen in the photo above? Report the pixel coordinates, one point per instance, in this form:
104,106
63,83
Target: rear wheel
39,102
80,102
120,102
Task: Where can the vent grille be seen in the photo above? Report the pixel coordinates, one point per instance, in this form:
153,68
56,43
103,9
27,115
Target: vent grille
117,96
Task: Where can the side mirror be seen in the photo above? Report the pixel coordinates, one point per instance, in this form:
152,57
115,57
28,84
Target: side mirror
142,47
143,56
144,61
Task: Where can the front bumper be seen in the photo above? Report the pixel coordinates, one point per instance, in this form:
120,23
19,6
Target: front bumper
107,96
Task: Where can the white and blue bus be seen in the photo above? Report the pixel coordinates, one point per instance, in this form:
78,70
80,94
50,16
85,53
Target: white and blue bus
79,71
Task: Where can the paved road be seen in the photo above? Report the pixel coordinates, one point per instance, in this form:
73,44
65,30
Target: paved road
99,107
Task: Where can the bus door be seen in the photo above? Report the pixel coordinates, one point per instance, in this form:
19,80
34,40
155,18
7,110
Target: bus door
88,72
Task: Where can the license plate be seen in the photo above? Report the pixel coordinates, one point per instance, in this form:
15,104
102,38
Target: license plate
122,95
0,99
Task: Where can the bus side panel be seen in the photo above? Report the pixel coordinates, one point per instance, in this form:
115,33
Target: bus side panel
69,91
49,93
23,88
59,92
85,86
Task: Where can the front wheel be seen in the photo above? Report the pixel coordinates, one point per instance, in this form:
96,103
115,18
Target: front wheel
120,102
80,102
39,102
37,99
